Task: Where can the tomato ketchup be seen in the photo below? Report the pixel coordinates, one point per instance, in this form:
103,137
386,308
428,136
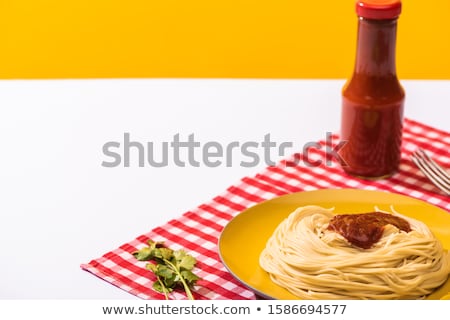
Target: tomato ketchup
373,98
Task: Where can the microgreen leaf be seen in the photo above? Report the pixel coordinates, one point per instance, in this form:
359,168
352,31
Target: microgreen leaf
155,244
171,268
189,276
187,262
151,266
164,272
143,254
165,253
160,287
179,254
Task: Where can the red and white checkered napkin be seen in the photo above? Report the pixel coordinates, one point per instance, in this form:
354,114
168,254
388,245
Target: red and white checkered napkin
198,230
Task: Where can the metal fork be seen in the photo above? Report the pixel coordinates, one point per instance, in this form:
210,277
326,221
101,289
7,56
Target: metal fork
437,175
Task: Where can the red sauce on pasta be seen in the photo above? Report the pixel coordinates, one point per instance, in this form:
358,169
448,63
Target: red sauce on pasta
365,229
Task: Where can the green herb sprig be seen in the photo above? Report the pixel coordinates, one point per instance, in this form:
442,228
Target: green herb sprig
172,268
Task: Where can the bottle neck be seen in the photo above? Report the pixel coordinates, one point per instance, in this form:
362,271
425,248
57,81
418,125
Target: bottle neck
376,43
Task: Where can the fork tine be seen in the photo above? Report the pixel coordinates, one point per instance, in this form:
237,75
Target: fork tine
439,170
428,171
428,168
432,177
432,170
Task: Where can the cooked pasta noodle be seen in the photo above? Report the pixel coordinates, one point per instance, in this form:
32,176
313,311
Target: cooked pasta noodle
313,262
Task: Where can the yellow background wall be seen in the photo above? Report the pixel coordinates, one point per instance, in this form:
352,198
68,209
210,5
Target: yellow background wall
208,38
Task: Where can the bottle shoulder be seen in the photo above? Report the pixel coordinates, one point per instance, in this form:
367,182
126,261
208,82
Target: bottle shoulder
373,89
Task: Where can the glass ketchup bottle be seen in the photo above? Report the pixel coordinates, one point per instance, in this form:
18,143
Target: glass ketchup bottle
373,98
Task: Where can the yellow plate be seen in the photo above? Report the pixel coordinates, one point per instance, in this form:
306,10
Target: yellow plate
245,236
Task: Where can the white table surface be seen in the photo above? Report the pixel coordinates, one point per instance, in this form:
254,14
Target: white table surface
59,207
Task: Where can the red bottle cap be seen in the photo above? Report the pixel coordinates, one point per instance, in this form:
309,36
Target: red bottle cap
378,9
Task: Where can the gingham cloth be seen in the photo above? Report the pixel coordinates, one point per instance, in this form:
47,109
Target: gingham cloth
198,230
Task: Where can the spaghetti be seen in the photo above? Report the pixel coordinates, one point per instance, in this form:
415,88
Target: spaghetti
314,261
